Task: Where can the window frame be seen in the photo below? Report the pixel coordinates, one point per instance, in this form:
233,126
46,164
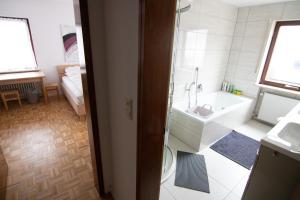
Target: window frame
31,41
263,80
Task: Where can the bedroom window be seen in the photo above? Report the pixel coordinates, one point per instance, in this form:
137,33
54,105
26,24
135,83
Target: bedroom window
16,48
282,65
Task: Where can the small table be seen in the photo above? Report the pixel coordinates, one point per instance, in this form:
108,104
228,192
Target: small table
23,77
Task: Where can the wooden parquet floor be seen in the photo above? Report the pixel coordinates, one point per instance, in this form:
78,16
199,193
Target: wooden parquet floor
44,153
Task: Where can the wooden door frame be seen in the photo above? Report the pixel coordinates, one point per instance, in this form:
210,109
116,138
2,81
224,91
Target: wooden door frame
156,32
90,99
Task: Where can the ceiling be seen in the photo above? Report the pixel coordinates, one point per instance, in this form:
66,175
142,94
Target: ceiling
241,3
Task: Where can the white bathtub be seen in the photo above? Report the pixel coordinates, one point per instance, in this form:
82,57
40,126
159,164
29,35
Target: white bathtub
229,111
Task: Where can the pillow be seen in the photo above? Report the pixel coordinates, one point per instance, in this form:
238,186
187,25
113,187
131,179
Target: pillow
71,71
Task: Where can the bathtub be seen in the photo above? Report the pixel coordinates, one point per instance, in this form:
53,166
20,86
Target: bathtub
229,111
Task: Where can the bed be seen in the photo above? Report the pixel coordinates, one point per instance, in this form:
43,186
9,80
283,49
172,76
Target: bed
70,78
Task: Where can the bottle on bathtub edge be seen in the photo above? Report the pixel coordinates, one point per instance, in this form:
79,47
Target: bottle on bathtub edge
229,87
225,86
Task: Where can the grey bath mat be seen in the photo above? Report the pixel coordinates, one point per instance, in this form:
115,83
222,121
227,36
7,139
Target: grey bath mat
238,148
191,172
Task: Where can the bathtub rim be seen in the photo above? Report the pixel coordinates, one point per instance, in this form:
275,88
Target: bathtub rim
180,108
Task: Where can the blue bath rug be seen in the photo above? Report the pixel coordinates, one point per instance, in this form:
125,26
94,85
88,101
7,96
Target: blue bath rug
191,172
238,148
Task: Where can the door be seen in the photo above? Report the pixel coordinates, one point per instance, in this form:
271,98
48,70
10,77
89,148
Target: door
157,21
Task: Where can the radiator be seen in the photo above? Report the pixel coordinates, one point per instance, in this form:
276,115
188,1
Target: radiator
274,106
22,87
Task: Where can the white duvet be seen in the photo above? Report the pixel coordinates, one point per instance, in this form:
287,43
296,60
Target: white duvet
74,85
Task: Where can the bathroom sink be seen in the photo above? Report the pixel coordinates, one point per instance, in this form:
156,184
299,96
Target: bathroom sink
285,136
291,134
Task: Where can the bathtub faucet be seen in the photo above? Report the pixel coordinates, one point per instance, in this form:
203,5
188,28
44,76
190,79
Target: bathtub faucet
199,88
188,89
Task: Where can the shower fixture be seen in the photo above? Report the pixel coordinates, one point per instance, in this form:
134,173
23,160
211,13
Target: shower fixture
184,6
184,9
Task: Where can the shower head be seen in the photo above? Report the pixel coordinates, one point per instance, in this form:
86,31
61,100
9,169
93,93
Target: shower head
184,9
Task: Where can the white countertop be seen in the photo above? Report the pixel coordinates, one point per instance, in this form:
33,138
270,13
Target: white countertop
272,140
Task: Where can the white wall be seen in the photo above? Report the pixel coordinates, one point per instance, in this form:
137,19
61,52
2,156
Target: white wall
121,28
205,39
250,36
45,18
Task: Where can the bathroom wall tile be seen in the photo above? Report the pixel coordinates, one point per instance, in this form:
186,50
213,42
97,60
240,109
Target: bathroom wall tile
243,84
265,12
253,44
250,27
196,6
179,92
248,58
183,76
192,40
229,78
225,27
246,74
291,10
230,73
192,13
253,89
237,43
248,87
216,58
216,86
191,25
209,24
201,40
205,41
212,83
228,12
240,29
185,38
211,8
189,59
243,14
213,77
233,58
179,39
189,21
219,43
217,8
199,59
256,29
275,11
184,58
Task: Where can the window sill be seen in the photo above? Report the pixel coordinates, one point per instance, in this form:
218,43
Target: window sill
21,71
278,89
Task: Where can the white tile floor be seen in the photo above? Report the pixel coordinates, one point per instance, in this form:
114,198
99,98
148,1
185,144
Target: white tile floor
227,179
